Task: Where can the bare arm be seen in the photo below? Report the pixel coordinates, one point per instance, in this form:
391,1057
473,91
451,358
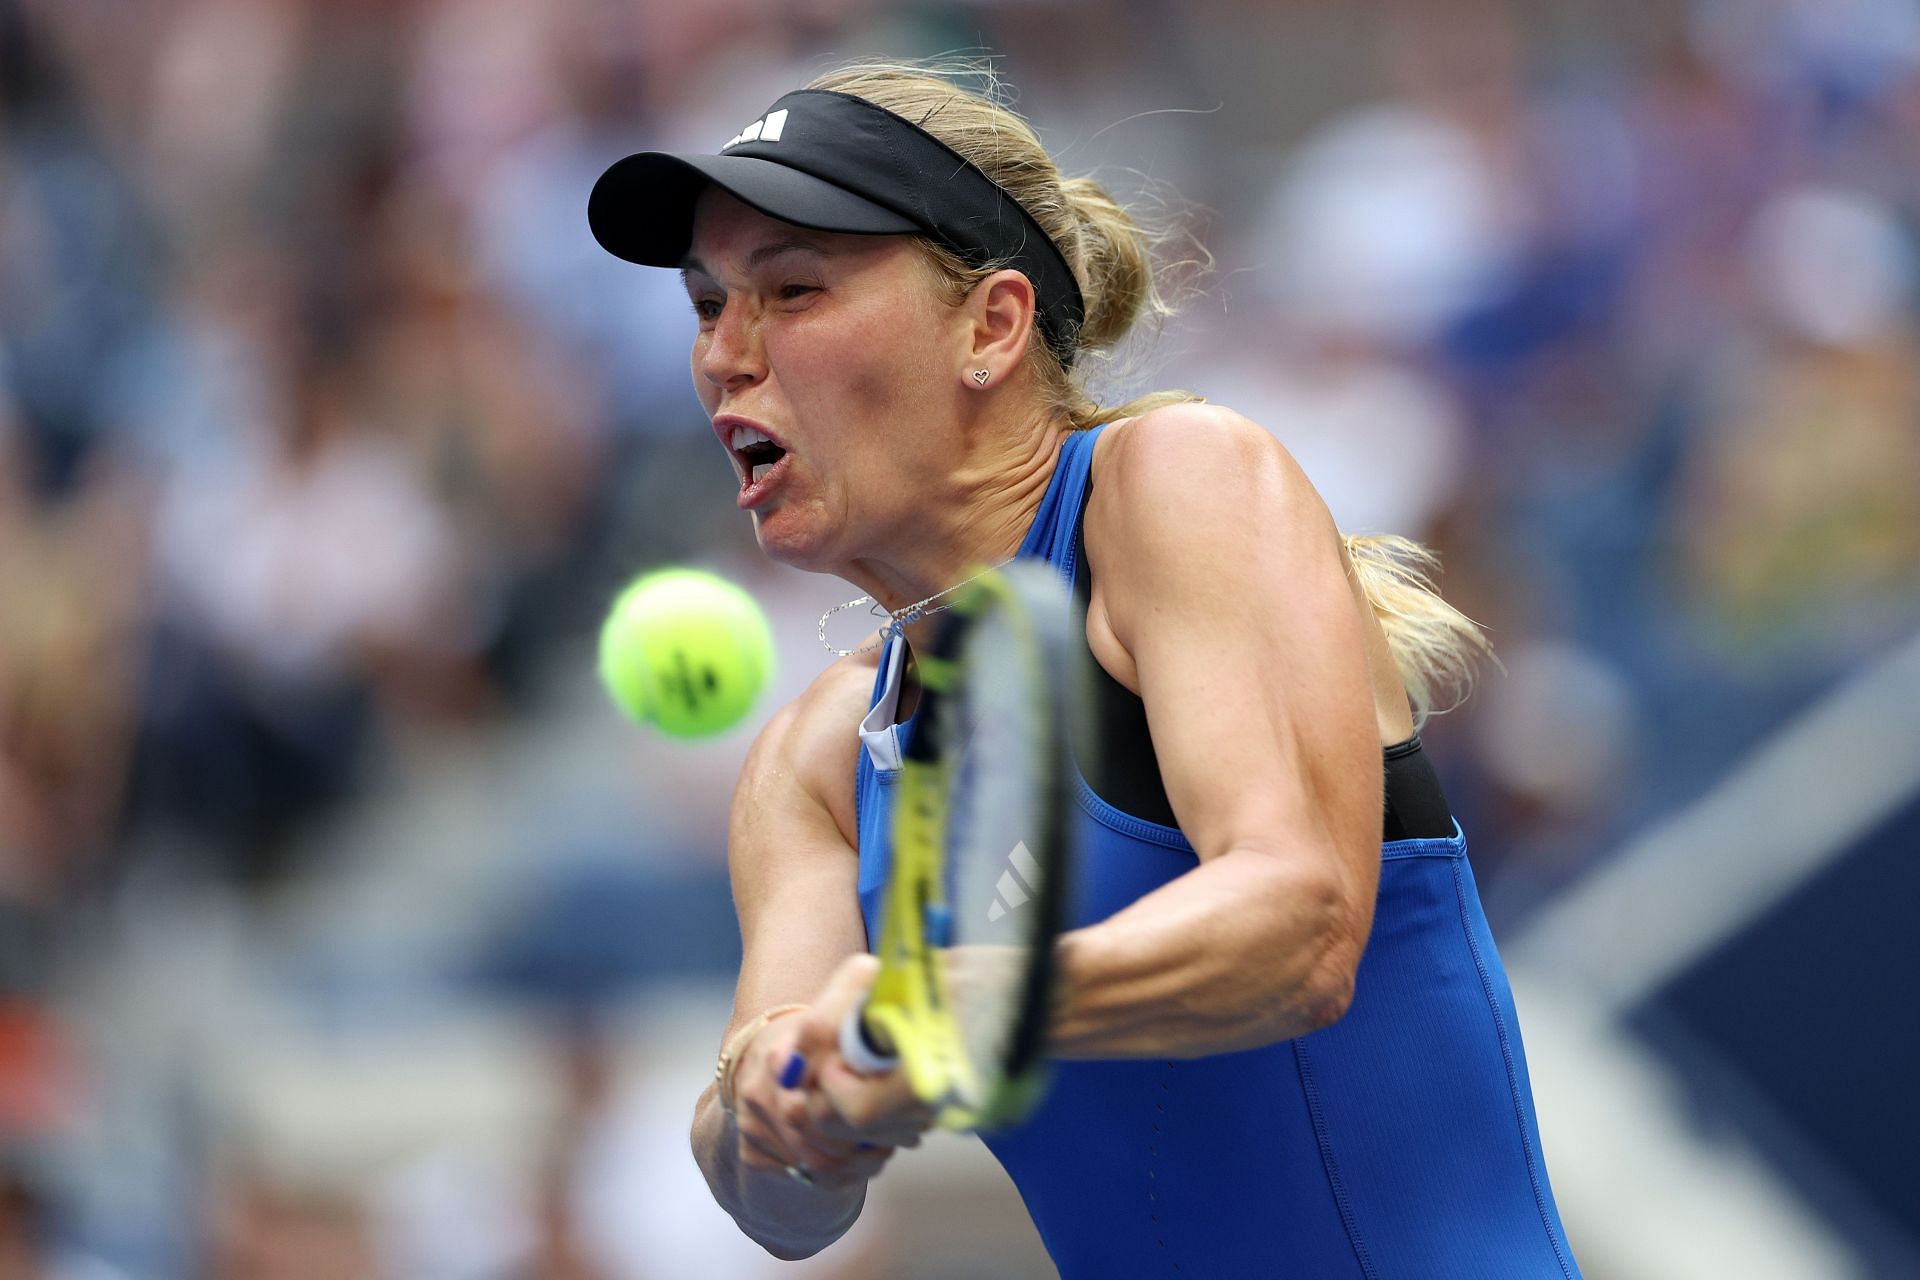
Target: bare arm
1220,589
795,888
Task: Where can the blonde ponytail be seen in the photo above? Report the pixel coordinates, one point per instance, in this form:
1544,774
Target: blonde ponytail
1434,645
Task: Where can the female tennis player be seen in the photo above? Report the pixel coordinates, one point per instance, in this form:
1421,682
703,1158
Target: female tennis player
1286,1042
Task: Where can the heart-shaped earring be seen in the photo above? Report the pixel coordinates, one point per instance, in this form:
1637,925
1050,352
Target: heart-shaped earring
980,376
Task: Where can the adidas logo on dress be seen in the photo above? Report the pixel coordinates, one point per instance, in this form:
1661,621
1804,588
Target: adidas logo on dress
1016,884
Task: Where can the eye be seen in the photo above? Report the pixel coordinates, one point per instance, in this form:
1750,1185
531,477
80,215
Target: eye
789,292
707,309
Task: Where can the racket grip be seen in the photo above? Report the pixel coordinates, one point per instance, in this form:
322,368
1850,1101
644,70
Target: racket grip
858,1049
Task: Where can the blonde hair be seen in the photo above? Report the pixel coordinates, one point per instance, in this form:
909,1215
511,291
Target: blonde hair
1434,645
1112,254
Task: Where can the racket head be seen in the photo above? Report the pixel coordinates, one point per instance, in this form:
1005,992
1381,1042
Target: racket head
982,849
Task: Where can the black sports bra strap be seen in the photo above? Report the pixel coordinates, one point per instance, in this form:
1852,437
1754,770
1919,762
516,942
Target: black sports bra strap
1125,771
1122,769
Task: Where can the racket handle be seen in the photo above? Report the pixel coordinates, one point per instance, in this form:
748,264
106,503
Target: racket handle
858,1048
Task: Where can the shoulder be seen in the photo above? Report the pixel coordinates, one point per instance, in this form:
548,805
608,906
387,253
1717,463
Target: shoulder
1192,422
809,747
822,722
1202,467
1190,504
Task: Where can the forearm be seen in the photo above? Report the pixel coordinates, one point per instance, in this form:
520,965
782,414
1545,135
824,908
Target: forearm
787,1218
1239,952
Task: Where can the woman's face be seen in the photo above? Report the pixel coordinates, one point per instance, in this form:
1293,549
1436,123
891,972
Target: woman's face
840,349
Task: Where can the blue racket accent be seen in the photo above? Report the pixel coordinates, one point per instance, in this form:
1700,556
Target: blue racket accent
939,925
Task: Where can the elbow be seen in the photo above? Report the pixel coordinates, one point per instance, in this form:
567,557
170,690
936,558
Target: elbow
1325,1000
1324,990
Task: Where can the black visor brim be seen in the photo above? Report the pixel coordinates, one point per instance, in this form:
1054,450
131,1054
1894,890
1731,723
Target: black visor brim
641,209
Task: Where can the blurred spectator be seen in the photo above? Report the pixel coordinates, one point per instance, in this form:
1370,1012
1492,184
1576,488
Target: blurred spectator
29,1248
37,1109
72,580
266,1231
1799,515
300,571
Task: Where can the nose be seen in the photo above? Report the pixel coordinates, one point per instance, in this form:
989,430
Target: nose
732,356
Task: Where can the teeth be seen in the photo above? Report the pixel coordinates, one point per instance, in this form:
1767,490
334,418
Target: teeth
761,470
744,436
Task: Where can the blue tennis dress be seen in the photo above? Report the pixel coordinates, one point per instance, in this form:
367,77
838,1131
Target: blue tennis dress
1400,1142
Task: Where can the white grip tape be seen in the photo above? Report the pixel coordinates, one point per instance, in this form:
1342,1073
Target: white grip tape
858,1054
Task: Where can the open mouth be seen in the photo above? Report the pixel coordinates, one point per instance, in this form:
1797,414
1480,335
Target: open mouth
756,454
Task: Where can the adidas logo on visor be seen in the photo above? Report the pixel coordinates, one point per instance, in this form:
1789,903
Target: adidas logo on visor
763,130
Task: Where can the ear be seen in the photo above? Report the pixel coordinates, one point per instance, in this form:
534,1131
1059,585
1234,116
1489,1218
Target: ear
1000,320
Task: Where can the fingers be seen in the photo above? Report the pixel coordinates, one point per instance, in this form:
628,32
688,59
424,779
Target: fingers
782,1131
857,1108
852,1171
799,1106
793,1114
771,1109
846,1105
776,1121
759,1151
778,1132
760,1148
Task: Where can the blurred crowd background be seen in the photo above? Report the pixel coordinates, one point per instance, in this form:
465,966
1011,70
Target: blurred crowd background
344,930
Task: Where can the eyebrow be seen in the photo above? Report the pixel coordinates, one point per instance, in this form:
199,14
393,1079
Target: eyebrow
765,253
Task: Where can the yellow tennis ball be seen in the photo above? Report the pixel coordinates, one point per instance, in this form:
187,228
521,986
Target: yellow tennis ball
686,651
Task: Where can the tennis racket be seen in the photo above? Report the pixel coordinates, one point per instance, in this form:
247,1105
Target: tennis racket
982,848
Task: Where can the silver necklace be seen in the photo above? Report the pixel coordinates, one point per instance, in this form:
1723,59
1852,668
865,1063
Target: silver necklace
899,618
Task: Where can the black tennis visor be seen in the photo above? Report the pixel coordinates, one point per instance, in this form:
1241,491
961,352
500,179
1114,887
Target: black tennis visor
833,162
